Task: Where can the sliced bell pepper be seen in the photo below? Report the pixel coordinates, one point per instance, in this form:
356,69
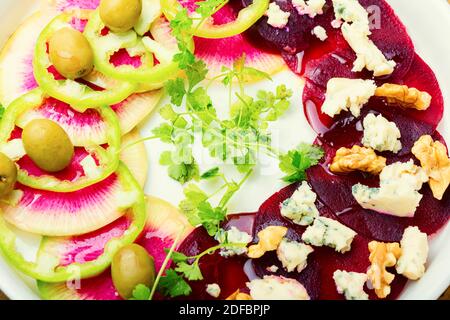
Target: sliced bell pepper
48,266
79,95
147,74
108,157
207,29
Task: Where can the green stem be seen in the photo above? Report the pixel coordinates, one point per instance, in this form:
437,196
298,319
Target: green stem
232,189
137,142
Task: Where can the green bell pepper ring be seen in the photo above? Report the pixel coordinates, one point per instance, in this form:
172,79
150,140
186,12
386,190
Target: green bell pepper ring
47,266
207,29
108,158
80,96
104,46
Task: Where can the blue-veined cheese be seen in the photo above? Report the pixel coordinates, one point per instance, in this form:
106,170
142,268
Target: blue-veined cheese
293,255
213,290
300,207
320,33
233,236
381,134
356,31
276,17
398,192
347,94
414,245
351,284
309,7
330,233
277,288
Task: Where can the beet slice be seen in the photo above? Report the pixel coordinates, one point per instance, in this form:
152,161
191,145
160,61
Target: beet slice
228,273
297,35
388,34
317,277
420,76
431,215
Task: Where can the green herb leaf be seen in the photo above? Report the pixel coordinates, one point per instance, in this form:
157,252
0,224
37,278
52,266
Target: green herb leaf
296,162
141,292
173,285
176,90
191,272
211,173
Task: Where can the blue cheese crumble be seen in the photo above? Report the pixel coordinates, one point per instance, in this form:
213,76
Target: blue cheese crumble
293,255
381,134
300,207
351,284
233,236
330,233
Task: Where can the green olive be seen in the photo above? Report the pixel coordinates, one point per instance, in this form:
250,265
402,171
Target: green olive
132,265
70,53
47,144
120,15
8,175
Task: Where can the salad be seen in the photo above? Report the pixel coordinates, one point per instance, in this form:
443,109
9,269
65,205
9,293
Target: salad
358,207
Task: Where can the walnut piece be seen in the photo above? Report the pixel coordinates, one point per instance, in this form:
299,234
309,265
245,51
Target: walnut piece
382,256
357,158
269,240
404,96
433,158
237,295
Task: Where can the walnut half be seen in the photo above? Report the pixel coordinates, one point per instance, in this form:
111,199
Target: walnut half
382,256
433,158
404,96
357,158
238,295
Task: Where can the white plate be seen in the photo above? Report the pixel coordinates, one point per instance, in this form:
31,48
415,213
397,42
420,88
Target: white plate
427,23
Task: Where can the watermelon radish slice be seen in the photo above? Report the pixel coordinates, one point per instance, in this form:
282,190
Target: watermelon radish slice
86,255
16,62
71,213
16,70
76,93
104,159
134,156
164,223
218,53
420,77
430,216
318,275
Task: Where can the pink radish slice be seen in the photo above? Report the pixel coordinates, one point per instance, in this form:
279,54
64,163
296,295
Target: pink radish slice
318,275
164,223
16,79
420,77
63,5
431,215
73,172
223,52
61,214
83,128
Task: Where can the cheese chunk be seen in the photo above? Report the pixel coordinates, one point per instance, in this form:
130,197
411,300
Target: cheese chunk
331,233
213,290
414,246
276,17
347,94
356,32
381,134
309,7
277,288
351,284
320,33
235,236
398,192
300,208
293,255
